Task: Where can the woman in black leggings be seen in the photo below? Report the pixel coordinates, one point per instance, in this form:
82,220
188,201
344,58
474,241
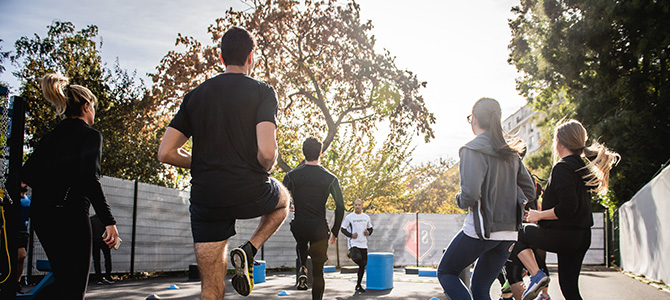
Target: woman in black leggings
64,172
564,224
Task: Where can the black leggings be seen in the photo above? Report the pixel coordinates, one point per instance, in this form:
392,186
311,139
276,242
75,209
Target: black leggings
514,266
570,245
312,239
99,245
360,257
65,235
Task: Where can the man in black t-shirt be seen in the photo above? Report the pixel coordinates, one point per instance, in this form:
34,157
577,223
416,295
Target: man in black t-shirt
231,119
310,184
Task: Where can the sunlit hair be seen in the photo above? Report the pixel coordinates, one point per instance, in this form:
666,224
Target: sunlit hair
572,135
236,44
311,148
67,99
488,114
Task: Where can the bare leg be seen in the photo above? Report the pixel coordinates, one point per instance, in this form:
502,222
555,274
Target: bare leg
517,290
527,257
271,222
213,262
20,259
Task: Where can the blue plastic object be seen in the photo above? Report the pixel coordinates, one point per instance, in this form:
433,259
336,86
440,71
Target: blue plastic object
428,272
329,269
283,293
42,265
379,271
259,271
173,287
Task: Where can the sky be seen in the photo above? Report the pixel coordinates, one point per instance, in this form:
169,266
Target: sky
458,47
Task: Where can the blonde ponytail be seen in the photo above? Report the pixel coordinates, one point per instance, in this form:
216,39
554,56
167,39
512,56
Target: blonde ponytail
52,87
601,160
572,135
67,99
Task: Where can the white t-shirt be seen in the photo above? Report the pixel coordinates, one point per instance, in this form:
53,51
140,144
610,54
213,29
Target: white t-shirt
357,223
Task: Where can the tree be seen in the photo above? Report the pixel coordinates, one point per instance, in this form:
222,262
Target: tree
432,188
126,115
322,61
3,57
604,63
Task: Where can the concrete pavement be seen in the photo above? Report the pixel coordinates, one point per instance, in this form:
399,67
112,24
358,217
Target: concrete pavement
596,283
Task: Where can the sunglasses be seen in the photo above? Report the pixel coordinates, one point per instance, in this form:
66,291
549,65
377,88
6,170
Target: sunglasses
469,118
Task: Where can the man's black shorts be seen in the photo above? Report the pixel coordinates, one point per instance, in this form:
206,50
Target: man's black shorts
215,224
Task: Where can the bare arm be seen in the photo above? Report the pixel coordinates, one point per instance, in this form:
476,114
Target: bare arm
534,216
266,137
171,152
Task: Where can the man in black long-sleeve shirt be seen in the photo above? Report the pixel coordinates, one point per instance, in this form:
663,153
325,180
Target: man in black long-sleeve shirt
310,184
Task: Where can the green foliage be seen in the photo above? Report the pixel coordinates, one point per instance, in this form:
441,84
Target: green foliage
604,63
3,57
126,115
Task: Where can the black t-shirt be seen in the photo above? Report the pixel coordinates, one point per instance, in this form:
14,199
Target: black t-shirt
221,115
568,195
310,186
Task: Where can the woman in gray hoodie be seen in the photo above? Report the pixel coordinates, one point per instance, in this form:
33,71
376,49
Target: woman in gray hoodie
494,188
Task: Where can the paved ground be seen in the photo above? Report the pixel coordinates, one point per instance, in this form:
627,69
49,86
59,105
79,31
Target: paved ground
596,283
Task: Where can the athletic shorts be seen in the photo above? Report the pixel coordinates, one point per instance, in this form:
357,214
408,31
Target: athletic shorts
215,224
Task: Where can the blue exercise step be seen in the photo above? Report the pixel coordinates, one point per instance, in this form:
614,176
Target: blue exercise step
44,266
428,272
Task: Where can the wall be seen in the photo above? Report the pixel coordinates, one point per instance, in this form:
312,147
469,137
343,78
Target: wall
163,239
644,230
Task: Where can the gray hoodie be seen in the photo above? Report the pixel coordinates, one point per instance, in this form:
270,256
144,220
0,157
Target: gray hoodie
493,190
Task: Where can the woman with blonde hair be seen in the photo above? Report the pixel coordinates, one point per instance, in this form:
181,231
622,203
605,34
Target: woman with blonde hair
494,188
64,173
564,224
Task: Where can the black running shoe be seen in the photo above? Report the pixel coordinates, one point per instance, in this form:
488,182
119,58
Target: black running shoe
360,289
243,280
302,278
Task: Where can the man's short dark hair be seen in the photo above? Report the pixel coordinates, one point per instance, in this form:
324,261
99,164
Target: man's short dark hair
236,44
311,148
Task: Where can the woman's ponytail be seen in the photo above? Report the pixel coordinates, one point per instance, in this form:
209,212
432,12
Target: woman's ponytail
488,114
601,160
572,135
67,99
53,86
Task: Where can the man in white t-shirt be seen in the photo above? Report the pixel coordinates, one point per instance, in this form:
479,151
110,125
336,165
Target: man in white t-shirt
357,227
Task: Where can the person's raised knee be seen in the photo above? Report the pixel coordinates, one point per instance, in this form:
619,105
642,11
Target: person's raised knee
284,198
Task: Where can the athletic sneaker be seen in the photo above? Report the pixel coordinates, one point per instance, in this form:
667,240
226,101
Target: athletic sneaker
506,288
360,289
544,297
302,279
243,261
537,282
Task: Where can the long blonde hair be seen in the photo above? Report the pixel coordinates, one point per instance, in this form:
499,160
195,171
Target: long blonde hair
67,99
572,135
488,114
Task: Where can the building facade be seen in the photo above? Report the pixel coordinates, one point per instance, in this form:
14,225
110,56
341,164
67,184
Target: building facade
522,124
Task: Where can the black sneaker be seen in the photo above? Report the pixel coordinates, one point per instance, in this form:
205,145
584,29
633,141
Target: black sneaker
302,278
19,289
243,280
360,289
